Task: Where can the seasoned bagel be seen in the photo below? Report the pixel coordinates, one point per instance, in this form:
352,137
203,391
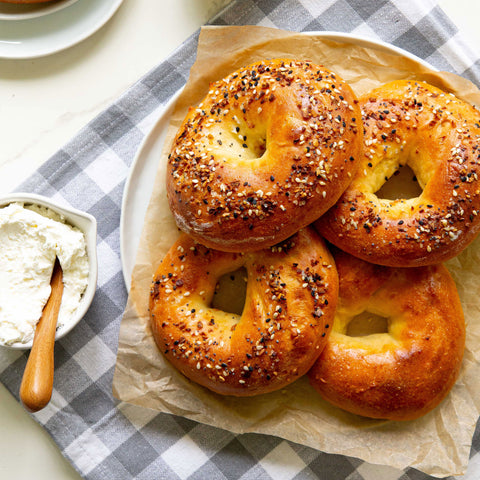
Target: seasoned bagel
405,372
438,136
291,296
270,148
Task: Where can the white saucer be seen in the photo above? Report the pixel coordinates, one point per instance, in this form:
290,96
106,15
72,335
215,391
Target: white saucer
63,28
15,11
141,178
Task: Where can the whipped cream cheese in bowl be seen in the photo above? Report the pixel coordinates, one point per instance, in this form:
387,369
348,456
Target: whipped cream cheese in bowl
34,230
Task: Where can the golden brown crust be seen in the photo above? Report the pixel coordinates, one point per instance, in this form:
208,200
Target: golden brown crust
26,1
291,297
402,374
438,136
270,149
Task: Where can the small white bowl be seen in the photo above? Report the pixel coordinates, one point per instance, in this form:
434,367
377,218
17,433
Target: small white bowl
88,225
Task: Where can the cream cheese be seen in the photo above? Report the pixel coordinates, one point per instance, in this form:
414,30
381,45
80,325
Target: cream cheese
30,238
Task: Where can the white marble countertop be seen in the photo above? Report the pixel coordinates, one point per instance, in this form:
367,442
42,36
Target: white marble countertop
45,101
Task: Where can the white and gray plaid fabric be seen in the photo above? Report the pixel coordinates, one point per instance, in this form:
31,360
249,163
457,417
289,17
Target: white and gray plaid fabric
110,441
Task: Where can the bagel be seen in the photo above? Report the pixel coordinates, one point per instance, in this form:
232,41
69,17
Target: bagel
437,135
291,297
270,148
26,1
406,372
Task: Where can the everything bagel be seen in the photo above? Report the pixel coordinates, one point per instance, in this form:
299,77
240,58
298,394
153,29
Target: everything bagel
438,136
270,148
407,371
292,291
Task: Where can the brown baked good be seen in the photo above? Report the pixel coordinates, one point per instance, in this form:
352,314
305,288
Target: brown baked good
290,302
438,136
406,372
270,148
27,1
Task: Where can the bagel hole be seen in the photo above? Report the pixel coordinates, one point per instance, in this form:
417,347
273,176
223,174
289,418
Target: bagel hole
230,292
248,143
258,146
255,146
367,323
402,185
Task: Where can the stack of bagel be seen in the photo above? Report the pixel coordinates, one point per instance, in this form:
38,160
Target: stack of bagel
276,172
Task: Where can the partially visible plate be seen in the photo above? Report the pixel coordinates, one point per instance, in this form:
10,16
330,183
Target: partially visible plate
138,189
37,37
141,178
24,11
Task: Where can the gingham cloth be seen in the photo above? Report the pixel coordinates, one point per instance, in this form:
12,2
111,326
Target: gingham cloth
108,440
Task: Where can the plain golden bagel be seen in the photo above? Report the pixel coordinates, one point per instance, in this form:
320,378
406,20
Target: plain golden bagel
292,291
438,136
407,371
270,148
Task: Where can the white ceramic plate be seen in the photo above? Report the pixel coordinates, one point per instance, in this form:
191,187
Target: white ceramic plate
44,35
15,11
138,189
139,184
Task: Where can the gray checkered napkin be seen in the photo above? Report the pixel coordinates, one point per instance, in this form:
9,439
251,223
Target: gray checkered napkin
106,440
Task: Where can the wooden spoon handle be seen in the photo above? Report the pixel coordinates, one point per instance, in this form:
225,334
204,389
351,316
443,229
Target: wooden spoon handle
37,381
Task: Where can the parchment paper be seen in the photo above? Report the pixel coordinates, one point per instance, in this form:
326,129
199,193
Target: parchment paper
439,443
